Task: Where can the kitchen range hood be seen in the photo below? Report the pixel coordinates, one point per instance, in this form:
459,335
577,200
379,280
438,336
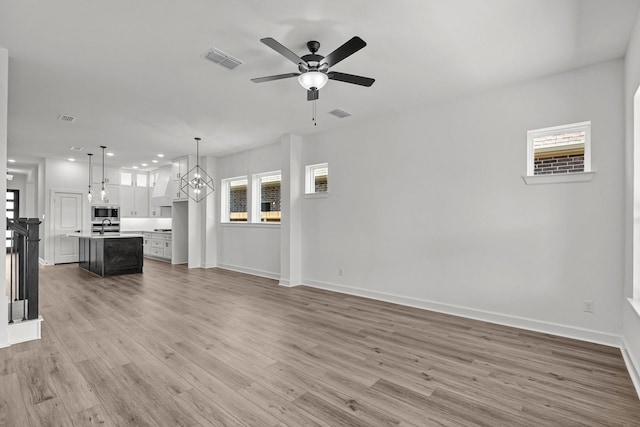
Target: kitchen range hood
161,194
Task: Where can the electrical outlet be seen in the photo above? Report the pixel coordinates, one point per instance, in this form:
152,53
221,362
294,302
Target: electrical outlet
341,271
587,306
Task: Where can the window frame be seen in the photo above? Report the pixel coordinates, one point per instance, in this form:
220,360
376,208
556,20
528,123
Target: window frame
554,130
225,185
309,178
256,192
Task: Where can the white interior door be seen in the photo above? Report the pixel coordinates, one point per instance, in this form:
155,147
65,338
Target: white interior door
67,219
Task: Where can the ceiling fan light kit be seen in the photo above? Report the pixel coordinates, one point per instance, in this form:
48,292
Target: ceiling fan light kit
313,80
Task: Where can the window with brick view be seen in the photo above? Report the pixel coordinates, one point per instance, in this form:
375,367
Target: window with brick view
269,192
235,209
559,150
317,178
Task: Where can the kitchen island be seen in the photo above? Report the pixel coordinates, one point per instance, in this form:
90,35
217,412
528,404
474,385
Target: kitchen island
110,254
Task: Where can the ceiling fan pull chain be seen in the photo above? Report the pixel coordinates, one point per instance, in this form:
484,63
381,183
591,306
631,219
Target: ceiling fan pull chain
315,123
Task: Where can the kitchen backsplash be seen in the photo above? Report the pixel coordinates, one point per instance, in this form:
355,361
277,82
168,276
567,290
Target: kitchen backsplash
144,224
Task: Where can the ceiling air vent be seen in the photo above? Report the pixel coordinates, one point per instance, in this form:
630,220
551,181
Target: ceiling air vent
219,57
341,114
66,118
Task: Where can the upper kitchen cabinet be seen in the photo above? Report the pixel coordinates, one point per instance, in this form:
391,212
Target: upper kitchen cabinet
111,175
134,202
180,167
134,194
112,197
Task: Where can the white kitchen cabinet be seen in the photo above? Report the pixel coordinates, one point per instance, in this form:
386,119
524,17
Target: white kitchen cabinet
113,194
134,202
157,245
179,168
111,175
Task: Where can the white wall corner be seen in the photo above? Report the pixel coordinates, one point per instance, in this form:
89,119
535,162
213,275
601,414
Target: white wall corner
631,364
292,189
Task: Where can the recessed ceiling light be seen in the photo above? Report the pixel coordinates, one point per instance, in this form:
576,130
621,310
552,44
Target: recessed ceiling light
144,165
11,160
154,161
110,154
160,155
135,167
76,148
71,159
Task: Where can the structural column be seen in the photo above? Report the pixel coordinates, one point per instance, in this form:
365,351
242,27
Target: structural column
291,191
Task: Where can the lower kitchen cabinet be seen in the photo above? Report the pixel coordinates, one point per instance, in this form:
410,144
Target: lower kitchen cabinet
157,245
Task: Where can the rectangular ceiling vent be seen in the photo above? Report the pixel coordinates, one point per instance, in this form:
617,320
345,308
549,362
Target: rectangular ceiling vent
219,57
66,118
341,114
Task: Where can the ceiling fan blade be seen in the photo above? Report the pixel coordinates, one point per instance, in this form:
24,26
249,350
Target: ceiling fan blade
347,49
276,77
350,78
278,47
312,95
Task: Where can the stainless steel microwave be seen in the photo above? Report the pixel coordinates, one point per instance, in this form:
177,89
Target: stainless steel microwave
99,213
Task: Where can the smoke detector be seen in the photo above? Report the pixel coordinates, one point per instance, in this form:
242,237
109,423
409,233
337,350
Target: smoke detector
66,118
217,56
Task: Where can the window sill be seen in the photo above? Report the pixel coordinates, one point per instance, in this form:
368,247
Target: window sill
251,224
322,195
559,179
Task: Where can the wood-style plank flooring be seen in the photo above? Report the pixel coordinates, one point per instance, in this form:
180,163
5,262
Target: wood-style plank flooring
180,347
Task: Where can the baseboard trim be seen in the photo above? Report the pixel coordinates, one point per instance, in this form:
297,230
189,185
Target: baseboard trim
632,368
27,330
43,261
255,272
596,337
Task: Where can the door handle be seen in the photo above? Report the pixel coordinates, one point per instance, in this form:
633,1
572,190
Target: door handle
77,231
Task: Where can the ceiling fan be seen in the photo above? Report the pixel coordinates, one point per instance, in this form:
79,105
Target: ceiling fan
314,69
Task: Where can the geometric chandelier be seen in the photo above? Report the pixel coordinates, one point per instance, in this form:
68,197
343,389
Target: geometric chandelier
197,184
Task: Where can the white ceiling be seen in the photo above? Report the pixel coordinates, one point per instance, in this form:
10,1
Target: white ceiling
132,72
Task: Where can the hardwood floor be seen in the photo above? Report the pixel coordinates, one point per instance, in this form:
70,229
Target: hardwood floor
179,347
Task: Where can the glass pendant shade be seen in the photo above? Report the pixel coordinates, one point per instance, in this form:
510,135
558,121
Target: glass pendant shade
197,184
104,194
313,79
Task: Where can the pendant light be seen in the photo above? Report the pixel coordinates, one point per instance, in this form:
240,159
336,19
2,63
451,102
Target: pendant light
197,184
90,192
103,192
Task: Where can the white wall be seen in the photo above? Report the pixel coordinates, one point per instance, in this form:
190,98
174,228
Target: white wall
251,248
4,90
429,209
631,316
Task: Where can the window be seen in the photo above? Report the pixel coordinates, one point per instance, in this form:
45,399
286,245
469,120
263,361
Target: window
317,178
234,199
559,150
126,178
266,197
134,178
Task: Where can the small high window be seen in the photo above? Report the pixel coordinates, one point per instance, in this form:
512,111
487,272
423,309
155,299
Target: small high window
266,197
317,178
559,150
234,199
